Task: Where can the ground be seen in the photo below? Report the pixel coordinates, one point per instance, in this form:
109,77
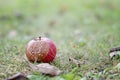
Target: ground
83,30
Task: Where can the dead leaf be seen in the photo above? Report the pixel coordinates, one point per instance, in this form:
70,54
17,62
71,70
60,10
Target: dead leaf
46,68
18,76
114,49
114,53
77,62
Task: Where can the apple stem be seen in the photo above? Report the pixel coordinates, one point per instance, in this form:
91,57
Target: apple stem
39,37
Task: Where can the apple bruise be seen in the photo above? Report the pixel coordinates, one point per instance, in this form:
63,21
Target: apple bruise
37,50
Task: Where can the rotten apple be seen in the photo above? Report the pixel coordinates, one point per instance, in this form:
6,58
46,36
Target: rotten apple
41,49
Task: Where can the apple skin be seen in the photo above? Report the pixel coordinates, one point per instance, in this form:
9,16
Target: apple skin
41,49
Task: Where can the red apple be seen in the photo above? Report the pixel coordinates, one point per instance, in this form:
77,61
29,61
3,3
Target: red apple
41,49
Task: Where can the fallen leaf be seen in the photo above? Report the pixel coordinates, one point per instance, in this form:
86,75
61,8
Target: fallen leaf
114,53
114,49
74,61
46,68
18,76
77,62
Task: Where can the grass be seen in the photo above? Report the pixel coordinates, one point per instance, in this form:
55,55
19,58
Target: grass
79,28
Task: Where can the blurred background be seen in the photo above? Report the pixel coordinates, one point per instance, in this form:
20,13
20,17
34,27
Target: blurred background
44,17
88,27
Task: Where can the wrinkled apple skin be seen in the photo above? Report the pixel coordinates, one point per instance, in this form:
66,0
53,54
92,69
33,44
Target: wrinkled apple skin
41,49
